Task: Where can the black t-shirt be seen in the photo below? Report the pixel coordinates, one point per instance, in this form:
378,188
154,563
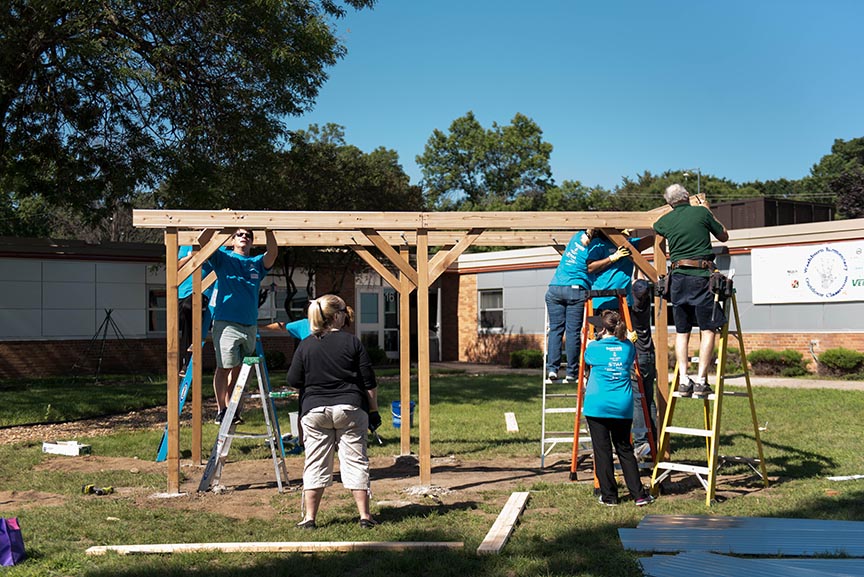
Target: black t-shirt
331,369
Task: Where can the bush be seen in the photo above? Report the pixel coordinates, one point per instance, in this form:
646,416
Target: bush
526,359
733,357
377,355
841,361
274,359
787,363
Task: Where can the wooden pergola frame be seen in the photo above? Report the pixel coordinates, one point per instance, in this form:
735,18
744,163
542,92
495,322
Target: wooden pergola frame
395,235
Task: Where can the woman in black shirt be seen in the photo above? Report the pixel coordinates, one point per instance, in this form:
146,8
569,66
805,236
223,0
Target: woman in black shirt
338,403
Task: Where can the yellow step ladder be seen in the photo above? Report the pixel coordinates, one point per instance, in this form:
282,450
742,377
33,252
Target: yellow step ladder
710,431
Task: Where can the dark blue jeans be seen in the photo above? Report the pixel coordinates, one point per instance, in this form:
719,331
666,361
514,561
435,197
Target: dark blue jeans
648,370
566,307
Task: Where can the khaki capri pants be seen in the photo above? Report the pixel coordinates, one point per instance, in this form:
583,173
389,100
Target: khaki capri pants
326,429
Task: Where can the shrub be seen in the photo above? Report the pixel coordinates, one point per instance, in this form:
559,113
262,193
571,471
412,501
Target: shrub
377,355
841,361
787,363
526,359
733,357
274,359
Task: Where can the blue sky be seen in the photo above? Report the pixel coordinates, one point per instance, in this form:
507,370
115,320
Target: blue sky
746,90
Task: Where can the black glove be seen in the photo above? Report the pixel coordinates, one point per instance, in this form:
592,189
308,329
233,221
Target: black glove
374,420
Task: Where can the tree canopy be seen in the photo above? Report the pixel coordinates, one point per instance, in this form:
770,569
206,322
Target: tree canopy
101,99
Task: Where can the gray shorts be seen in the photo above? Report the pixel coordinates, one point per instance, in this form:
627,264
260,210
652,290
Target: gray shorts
232,342
326,429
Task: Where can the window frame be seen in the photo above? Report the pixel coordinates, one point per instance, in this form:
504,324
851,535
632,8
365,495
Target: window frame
481,309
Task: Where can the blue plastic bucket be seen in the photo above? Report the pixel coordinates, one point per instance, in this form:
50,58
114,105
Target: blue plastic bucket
396,410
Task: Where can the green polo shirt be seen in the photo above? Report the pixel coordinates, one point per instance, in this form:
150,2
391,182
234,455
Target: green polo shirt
688,230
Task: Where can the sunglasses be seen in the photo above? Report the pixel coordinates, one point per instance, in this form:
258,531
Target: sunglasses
243,234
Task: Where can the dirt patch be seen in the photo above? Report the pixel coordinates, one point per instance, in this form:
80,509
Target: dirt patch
24,499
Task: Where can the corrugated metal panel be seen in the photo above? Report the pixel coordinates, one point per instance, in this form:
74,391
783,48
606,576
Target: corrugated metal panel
745,541
712,565
760,523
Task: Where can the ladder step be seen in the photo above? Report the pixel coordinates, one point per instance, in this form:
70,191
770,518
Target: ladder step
561,396
561,410
734,394
711,397
689,431
682,467
249,436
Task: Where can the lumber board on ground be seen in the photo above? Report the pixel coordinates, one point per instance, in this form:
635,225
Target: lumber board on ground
510,420
275,547
763,523
504,524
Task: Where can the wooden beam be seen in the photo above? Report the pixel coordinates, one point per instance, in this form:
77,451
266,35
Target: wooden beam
402,264
216,241
376,265
445,258
172,345
423,395
429,221
661,332
504,525
275,547
638,259
405,289
197,363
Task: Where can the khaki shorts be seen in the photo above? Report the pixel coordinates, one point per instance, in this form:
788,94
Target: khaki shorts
232,342
326,429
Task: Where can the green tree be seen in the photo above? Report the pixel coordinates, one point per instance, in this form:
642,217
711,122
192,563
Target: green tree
99,100
824,180
472,168
849,187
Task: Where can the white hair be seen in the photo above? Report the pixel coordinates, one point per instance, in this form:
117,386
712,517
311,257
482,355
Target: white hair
676,194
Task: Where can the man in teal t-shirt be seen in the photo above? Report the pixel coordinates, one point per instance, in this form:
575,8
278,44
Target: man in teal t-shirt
688,230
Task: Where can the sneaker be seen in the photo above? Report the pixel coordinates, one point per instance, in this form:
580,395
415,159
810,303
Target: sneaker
686,390
552,376
646,500
607,503
569,379
368,523
642,451
702,390
237,420
308,524
219,416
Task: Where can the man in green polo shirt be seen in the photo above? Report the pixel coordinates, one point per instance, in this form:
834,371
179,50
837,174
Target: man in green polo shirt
688,229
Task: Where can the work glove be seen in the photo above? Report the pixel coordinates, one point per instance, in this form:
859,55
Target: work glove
632,336
374,420
620,253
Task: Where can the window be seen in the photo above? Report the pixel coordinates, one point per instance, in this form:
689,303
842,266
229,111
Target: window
491,310
156,309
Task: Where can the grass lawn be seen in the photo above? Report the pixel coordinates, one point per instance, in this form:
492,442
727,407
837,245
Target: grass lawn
811,434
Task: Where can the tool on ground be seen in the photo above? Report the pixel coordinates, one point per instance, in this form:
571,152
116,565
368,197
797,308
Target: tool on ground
707,474
94,490
227,432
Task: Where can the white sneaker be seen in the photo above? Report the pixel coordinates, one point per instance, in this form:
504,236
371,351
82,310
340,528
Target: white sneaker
552,376
569,379
643,451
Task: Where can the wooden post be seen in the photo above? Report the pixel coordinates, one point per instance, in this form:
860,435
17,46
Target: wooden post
661,330
197,362
423,396
405,287
172,345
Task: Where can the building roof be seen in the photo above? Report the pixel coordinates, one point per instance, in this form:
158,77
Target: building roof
47,248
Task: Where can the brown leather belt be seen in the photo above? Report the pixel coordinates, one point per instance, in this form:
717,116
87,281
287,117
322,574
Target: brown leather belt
693,263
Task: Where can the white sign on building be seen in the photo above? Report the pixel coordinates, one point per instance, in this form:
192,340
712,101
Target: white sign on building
821,273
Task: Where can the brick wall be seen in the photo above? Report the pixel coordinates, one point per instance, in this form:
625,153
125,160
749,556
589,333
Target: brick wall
22,359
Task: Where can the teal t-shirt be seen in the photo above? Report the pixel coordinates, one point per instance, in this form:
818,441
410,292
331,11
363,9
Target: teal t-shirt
299,329
618,275
185,288
239,280
573,268
688,230
609,393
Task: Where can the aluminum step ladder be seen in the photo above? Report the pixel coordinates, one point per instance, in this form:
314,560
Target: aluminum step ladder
227,430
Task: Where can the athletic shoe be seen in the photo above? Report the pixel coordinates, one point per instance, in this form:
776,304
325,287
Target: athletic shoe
309,524
686,390
702,390
552,376
646,500
569,379
607,503
219,416
642,451
237,420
